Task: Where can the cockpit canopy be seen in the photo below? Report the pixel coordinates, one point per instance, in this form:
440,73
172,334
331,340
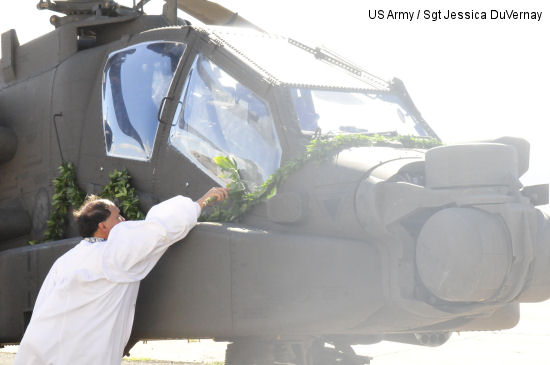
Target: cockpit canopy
135,80
219,116
221,112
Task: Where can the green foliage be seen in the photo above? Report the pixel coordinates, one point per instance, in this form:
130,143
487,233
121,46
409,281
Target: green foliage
318,150
230,209
67,194
119,190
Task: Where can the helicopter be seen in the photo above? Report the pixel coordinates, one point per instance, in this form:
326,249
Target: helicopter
385,242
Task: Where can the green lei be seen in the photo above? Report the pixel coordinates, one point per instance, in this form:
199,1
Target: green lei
67,193
321,149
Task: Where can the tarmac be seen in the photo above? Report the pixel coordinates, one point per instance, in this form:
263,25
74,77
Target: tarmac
527,343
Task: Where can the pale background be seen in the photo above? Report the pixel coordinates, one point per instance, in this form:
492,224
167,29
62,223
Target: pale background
471,79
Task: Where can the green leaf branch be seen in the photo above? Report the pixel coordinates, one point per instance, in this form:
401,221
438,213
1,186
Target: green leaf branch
120,191
66,193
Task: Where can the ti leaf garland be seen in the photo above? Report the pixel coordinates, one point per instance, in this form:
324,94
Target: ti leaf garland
120,191
320,149
67,194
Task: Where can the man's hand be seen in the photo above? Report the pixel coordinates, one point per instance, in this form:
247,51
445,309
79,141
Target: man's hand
213,195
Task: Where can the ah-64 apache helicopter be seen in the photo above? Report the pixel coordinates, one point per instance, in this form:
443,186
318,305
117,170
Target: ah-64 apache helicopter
374,243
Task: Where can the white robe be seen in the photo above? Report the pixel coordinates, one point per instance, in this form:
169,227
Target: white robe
84,311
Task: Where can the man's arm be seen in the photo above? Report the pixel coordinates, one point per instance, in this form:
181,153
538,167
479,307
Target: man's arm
134,247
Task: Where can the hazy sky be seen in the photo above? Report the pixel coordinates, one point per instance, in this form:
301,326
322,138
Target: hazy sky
472,79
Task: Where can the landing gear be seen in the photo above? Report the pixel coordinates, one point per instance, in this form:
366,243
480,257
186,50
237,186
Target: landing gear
273,352
335,353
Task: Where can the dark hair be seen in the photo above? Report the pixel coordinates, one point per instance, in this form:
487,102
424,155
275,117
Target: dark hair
93,211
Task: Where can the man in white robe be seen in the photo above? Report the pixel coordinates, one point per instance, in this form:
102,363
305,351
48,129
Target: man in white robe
84,311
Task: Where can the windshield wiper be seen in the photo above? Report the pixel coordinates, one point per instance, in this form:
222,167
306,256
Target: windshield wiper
384,133
352,129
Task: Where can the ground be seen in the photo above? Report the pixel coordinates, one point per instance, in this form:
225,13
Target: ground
527,343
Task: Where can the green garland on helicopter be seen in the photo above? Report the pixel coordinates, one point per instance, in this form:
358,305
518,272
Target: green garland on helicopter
67,193
318,150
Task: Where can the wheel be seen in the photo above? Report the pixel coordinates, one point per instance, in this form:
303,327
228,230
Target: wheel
249,352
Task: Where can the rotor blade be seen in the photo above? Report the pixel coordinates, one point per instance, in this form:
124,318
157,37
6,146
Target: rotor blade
141,4
211,13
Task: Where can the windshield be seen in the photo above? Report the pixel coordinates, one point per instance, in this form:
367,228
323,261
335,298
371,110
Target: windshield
135,80
336,112
219,116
